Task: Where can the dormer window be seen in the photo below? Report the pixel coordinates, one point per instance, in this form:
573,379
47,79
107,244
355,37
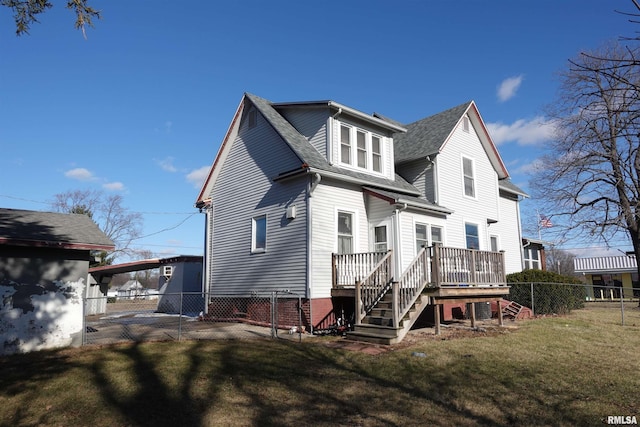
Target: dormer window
376,153
345,144
362,149
367,151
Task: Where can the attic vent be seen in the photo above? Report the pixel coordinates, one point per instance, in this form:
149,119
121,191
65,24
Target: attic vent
167,270
465,124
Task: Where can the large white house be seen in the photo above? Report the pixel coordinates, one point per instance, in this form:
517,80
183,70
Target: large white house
295,185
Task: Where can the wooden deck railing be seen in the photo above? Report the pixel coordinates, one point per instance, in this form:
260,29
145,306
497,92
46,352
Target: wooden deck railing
347,269
373,286
467,267
410,286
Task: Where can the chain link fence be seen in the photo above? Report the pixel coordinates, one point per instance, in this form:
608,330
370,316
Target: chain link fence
179,316
549,299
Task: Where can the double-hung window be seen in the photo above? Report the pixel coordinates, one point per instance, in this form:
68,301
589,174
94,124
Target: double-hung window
436,234
531,259
376,153
361,149
380,238
345,144
361,141
472,235
345,232
259,234
468,177
421,236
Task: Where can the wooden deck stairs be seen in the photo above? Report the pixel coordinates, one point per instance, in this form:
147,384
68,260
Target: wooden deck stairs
377,326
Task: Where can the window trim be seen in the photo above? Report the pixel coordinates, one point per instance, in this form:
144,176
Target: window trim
529,261
472,177
431,227
254,234
354,228
354,160
497,239
466,235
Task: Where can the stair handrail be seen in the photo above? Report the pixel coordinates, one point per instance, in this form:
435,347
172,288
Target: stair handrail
411,284
373,286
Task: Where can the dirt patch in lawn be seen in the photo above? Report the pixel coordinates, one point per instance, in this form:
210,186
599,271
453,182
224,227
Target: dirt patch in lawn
450,331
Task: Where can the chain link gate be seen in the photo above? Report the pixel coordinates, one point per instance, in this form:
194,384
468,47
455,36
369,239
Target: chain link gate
179,316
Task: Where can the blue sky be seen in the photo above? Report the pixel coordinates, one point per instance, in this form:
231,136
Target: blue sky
140,106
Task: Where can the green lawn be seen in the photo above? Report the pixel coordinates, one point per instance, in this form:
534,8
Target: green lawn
572,370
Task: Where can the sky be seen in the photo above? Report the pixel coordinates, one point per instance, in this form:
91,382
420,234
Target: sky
140,106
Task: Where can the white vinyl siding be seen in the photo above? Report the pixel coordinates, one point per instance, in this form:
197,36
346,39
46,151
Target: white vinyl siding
244,190
310,122
328,198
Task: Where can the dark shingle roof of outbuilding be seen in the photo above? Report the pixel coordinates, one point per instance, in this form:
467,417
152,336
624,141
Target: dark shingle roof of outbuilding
51,229
308,154
426,136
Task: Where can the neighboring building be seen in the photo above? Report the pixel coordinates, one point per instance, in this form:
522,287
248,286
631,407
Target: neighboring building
534,256
44,263
297,185
132,289
609,275
180,280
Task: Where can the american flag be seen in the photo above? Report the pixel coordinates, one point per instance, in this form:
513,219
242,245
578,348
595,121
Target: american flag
545,222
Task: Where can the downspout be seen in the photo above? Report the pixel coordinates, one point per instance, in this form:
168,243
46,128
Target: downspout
397,258
315,180
206,263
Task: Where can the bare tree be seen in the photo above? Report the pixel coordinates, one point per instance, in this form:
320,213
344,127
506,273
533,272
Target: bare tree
26,12
590,178
121,225
560,261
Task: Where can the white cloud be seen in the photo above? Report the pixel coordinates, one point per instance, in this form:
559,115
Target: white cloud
167,126
197,176
524,132
509,87
113,186
167,164
81,174
530,168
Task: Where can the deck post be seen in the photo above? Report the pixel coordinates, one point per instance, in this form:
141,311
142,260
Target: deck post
500,321
334,278
395,289
435,264
472,308
358,318
436,316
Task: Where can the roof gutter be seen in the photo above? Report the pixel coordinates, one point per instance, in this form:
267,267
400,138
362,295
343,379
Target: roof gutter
340,177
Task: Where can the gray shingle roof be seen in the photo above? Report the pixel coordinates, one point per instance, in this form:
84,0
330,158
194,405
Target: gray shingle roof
426,136
308,154
50,229
418,202
507,185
